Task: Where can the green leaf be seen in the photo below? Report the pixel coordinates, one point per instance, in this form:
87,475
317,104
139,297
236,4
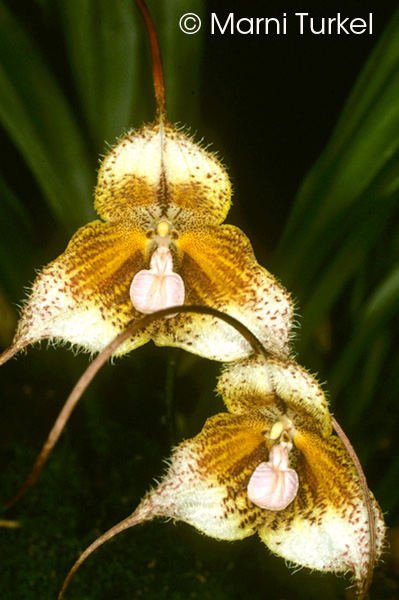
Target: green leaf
16,240
38,119
105,45
362,154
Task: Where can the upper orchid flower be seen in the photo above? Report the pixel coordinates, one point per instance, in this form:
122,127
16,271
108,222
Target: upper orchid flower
270,466
162,199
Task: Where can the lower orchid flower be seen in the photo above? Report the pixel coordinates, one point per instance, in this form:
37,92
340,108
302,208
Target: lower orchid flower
271,466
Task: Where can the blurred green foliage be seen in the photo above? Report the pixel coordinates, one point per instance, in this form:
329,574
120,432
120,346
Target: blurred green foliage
75,74
340,252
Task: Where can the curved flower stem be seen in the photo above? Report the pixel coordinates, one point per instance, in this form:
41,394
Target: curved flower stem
101,359
366,492
157,71
144,512
11,351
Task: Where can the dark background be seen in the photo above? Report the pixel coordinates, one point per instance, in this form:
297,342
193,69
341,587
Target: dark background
268,105
273,101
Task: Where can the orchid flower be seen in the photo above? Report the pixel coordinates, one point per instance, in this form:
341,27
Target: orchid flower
271,466
162,200
161,243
